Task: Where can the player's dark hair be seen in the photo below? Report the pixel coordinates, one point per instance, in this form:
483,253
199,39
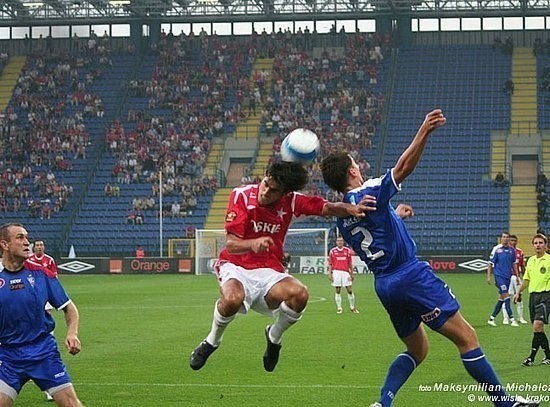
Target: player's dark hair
289,176
335,171
540,235
513,237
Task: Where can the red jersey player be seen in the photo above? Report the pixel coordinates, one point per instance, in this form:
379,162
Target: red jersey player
340,272
40,257
249,269
515,281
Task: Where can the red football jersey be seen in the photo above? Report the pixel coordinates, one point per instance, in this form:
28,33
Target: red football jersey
340,259
47,262
247,219
520,259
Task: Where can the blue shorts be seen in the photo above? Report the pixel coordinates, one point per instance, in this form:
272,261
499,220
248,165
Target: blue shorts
503,283
414,294
39,361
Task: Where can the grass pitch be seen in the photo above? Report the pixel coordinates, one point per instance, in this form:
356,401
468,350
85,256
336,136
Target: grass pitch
137,333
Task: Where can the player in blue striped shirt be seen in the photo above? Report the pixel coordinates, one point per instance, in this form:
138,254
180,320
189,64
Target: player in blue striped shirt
409,290
28,350
503,263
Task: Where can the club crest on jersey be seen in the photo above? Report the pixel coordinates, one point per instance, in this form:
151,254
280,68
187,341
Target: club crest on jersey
31,280
543,270
2,282
266,227
230,217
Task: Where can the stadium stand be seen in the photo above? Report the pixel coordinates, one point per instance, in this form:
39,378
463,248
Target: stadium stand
458,207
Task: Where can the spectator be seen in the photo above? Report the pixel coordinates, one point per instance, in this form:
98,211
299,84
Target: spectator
131,218
508,87
500,181
140,252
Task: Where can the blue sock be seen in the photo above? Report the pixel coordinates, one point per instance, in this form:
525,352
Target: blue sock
398,373
508,308
498,306
480,369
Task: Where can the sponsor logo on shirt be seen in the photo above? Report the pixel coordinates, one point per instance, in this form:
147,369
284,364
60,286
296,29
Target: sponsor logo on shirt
272,228
16,284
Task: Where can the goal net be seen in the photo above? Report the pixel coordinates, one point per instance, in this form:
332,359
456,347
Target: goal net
308,249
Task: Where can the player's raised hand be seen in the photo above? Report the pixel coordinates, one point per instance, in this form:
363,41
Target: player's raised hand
261,244
404,211
434,120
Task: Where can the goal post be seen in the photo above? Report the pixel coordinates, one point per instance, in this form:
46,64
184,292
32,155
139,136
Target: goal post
308,249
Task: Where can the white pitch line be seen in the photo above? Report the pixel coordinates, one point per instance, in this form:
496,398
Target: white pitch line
237,386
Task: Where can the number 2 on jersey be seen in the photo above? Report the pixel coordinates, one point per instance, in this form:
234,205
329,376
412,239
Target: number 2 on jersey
366,242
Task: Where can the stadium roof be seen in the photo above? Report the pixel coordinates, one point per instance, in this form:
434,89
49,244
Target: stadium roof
33,12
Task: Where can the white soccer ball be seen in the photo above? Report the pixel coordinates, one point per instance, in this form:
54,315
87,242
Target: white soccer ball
300,145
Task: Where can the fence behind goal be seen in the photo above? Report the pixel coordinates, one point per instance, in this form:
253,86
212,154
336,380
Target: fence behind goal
308,249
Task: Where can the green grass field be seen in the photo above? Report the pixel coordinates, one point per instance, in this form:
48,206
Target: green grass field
138,331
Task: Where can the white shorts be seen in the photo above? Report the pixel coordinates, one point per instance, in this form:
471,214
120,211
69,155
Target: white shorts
513,288
341,278
256,283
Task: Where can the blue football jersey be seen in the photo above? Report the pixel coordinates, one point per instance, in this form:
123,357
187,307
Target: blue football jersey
23,295
503,258
380,239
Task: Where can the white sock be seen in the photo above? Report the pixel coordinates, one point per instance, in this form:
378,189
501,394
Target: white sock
219,323
338,299
351,298
519,307
504,312
287,317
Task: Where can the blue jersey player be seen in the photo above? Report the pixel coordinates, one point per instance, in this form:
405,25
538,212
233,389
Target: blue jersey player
410,292
503,263
28,350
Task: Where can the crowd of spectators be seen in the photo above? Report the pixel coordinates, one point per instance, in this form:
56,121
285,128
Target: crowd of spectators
41,135
204,83
334,95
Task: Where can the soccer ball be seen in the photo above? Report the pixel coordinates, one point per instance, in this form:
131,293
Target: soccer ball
300,145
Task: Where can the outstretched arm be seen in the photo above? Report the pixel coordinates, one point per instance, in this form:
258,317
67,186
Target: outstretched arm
342,209
410,157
